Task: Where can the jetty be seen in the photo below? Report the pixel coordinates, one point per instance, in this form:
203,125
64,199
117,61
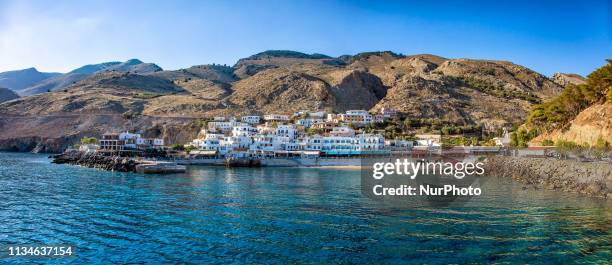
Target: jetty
116,163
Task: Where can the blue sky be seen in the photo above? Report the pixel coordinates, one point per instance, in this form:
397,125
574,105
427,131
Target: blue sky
547,36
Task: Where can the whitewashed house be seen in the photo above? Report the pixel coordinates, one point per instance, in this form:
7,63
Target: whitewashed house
223,126
276,117
252,119
308,122
288,130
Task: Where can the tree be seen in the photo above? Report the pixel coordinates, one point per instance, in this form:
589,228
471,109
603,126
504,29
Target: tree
178,147
89,140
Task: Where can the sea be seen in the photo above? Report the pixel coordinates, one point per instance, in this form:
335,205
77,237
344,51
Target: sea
213,215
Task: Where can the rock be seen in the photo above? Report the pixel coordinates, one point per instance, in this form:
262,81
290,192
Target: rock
588,178
96,160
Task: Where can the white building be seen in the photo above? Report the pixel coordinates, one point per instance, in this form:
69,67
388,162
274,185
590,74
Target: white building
356,117
399,144
219,118
308,122
271,143
317,114
152,142
433,140
342,131
276,117
331,117
211,142
288,130
344,145
243,131
89,148
130,139
252,119
223,126
369,142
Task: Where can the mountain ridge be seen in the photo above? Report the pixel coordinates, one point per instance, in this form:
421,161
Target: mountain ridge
17,80
63,81
494,94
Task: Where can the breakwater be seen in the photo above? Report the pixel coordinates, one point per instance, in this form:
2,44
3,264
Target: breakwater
589,178
96,160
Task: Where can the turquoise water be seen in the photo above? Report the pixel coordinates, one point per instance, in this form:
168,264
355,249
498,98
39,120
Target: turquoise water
282,215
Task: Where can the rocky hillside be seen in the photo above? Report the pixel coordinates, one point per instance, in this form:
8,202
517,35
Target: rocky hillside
7,94
460,91
564,79
582,113
590,125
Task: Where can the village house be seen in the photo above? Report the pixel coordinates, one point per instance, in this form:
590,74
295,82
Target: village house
355,117
223,126
308,122
128,141
429,139
252,119
276,117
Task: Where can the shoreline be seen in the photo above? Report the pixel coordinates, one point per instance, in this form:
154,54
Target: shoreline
586,178
592,179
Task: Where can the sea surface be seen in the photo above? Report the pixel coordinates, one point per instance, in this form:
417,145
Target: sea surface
280,216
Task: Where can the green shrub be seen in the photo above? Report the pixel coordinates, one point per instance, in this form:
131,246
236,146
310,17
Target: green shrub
178,147
89,140
548,142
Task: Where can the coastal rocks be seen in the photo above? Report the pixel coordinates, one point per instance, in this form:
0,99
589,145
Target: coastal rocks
96,160
589,178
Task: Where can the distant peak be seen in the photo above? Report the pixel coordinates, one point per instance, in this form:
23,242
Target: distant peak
133,61
287,54
31,69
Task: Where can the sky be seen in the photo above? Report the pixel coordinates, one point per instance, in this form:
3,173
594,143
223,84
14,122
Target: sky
546,36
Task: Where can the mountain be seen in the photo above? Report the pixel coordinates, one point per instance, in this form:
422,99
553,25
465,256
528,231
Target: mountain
563,79
168,104
7,94
132,65
21,79
76,75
